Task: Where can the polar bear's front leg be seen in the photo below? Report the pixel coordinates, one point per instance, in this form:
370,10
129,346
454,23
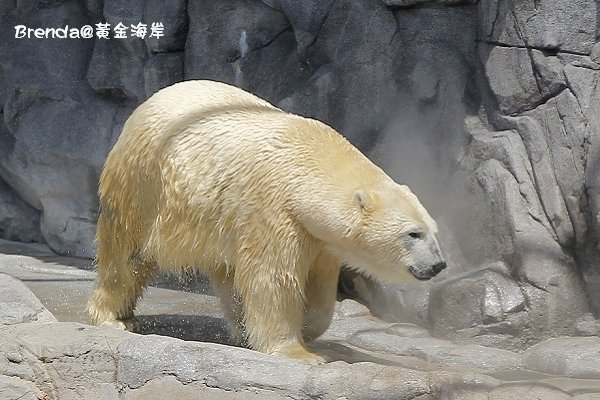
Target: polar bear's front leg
273,310
118,286
321,293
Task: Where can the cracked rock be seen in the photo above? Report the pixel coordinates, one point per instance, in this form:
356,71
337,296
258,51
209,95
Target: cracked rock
19,305
479,304
555,25
14,388
520,78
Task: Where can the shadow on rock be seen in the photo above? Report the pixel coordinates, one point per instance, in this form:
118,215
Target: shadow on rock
203,328
198,328
336,351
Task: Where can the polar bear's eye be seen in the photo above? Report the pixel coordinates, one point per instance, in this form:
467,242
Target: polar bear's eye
416,235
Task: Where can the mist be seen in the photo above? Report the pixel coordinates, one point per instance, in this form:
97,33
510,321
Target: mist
422,147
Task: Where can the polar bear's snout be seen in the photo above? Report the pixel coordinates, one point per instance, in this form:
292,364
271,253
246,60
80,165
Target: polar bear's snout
427,260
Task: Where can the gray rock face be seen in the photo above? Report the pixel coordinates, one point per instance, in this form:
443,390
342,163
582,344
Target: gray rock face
484,306
566,356
16,388
68,360
521,78
488,110
558,25
18,220
19,305
248,373
440,351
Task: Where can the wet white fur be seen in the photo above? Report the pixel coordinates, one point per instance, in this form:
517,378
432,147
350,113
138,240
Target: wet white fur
268,204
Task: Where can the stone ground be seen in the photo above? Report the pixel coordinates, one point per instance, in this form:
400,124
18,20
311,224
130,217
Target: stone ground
47,350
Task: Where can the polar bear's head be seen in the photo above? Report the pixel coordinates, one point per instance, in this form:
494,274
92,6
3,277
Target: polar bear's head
392,237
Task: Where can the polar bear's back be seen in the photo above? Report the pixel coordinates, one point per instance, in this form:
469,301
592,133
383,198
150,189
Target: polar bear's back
187,98
195,125
202,112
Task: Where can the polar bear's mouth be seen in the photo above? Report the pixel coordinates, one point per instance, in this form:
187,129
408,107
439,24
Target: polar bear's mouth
420,276
427,273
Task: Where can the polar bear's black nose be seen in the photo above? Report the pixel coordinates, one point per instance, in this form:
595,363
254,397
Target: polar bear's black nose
437,268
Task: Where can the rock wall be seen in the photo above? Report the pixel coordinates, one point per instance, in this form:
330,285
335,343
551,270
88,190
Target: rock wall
490,110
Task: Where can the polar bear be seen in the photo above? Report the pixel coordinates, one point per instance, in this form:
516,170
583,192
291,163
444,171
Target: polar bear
266,203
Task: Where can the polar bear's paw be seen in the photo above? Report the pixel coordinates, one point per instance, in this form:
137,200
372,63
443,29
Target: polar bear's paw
126,324
298,352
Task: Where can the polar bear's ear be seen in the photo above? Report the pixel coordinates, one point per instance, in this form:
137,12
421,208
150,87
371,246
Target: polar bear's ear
364,200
